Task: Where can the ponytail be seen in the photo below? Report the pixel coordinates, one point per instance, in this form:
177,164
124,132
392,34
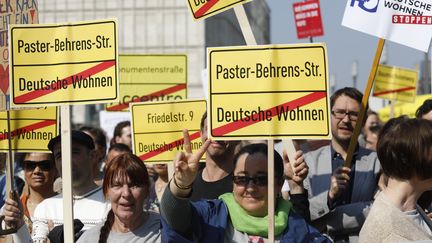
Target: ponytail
106,228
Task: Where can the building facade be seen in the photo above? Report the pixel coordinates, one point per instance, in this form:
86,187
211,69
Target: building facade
160,27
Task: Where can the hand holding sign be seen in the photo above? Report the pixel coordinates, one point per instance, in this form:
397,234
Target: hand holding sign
186,166
295,171
339,182
13,213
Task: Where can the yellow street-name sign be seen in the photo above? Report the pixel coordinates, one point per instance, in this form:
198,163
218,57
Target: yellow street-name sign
54,64
151,78
202,9
268,91
31,130
396,83
157,128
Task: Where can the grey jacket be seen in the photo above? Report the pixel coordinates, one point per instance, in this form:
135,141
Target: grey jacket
349,218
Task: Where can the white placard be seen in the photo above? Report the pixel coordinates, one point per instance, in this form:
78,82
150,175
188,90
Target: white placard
405,22
109,119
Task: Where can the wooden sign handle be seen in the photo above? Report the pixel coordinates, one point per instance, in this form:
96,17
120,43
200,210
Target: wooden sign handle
271,196
366,94
67,173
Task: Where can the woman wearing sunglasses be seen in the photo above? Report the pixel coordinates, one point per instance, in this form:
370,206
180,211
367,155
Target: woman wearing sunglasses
240,216
40,173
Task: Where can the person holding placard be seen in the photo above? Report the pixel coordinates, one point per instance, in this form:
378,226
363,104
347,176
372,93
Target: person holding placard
89,204
340,197
39,173
238,216
404,149
127,186
215,178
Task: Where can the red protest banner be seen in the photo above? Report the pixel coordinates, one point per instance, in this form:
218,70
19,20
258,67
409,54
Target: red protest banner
307,17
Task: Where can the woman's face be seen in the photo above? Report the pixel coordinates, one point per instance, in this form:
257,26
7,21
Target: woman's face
372,120
127,200
252,195
39,170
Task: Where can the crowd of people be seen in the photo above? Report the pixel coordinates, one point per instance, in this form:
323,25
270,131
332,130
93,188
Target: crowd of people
384,196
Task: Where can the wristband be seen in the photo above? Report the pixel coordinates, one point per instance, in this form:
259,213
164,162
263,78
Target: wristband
181,187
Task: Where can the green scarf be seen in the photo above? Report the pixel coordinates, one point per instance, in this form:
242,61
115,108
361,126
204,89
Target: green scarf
257,226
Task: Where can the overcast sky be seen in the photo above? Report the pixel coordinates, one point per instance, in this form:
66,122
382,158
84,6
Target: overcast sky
344,45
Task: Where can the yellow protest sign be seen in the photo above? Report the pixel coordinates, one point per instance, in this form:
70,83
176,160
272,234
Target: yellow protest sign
54,64
205,8
151,78
395,83
12,12
278,91
402,108
31,130
157,128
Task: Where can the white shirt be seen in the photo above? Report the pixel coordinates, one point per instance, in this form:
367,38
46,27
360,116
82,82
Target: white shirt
91,208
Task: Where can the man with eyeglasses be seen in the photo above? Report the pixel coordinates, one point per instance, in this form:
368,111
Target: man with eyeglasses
340,197
89,203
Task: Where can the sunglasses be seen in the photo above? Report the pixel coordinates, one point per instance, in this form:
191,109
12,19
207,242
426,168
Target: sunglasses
260,180
44,165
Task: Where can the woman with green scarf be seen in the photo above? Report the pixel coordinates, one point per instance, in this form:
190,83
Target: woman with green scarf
240,216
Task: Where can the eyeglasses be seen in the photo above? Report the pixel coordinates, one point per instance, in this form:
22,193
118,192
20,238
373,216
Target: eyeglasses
340,114
260,180
44,165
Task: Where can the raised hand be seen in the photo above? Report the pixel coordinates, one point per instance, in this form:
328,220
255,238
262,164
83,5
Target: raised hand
295,171
298,170
186,166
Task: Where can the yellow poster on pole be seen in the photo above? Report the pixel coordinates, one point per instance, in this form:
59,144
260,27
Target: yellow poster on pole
202,9
403,108
31,130
54,64
150,78
157,128
278,91
394,83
